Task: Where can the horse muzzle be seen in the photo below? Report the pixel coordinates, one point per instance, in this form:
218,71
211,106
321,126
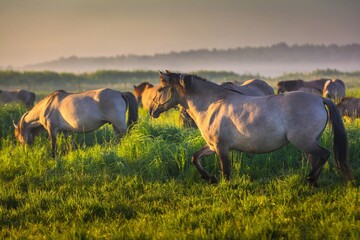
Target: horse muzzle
155,113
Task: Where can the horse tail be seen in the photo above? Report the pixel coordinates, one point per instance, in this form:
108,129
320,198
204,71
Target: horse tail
132,105
340,146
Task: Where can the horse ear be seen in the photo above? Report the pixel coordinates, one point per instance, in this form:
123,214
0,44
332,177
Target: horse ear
160,72
164,78
167,71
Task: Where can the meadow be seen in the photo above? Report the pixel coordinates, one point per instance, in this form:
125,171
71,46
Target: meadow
146,188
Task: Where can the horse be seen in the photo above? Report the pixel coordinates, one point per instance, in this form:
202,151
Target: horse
144,93
334,89
229,121
19,95
310,90
294,85
349,106
252,87
81,112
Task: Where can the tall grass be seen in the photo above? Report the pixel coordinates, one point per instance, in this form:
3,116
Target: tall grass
146,188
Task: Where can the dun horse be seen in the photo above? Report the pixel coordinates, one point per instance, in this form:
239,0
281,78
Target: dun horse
231,121
294,85
145,93
334,89
78,112
20,95
350,107
252,87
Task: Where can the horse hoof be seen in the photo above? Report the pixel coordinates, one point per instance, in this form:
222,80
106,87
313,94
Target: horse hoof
313,183
213,180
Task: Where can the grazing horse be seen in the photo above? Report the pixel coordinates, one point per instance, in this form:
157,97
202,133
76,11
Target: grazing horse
350,107
144,93
19,95
78,112
334,89
294,85
252,87
231,121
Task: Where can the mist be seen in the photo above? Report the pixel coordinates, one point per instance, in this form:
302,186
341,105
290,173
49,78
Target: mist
38,31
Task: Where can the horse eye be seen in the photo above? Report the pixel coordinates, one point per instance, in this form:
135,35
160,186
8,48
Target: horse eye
160,89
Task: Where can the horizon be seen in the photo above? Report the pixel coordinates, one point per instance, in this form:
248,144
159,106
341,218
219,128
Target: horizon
39,30
206,49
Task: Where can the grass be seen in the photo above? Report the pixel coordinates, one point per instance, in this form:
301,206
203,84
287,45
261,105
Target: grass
146,188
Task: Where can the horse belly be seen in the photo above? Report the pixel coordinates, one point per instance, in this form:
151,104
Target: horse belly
81,116
260,140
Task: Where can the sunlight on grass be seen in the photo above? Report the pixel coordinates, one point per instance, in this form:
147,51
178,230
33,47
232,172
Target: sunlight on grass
145,187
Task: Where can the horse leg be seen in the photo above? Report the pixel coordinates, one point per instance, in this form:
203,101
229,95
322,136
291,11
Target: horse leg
52,136
225,163
317,158
68,134
203,152
119,131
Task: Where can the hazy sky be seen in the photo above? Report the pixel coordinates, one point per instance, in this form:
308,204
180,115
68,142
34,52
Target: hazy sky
33,31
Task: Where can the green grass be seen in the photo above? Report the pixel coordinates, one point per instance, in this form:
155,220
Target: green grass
145,188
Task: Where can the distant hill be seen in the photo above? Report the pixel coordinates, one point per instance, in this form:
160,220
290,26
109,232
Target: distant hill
274,60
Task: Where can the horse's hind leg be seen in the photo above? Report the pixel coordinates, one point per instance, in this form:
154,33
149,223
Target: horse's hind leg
205,151
317,158
119,132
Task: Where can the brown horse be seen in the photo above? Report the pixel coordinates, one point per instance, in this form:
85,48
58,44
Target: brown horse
231,121
294,85
19,95
252,87
77,112
334,89
350,107
144,93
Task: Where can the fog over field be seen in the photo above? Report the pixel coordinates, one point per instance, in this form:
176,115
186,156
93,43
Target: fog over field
267,61
42,31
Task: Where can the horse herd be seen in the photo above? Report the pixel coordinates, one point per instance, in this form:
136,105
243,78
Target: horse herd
246,117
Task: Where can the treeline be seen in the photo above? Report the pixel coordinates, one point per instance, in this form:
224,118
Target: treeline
280,53
122,80
45,81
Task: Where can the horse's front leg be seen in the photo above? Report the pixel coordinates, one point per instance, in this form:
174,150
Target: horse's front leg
52,136
224,163
205,151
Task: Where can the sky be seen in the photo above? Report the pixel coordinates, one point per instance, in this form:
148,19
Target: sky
34,31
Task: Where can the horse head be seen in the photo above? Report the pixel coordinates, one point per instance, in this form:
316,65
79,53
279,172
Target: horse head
169,94
23,132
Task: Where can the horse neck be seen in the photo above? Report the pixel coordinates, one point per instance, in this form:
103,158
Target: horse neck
34,114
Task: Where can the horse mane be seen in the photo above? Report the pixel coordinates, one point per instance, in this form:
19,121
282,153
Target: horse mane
52,95
49,98
188,83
